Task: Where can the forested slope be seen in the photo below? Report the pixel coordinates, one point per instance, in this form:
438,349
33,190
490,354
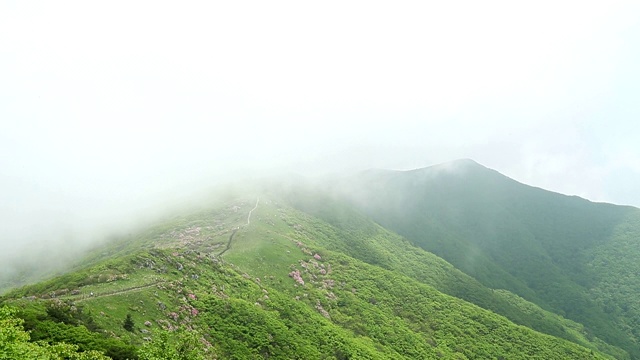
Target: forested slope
566,254
282,283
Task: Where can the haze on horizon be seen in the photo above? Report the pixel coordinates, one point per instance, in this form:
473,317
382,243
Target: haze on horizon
111,111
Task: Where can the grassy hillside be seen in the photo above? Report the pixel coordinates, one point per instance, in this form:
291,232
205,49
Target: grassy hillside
354,234
257,278
566,254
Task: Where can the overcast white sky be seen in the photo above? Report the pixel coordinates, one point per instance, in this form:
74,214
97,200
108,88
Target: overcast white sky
108,107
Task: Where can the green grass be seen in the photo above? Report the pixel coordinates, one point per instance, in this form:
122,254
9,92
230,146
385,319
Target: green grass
568,255
371,295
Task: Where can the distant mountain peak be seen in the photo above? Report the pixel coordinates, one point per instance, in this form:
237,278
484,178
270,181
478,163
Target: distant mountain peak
454,166
465,162
462,163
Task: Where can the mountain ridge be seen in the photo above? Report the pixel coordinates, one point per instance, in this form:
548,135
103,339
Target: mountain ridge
472,217
326,251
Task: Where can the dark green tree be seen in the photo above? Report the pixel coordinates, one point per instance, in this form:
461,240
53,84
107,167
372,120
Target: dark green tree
128,323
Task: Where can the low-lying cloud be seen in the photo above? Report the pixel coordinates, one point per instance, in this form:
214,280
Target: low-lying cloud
112,114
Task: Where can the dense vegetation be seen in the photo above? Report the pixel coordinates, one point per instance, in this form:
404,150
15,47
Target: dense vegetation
353,234
566,254
306,274
15,343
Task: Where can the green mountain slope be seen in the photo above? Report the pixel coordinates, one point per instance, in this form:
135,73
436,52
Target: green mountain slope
566,254
354,234
257,279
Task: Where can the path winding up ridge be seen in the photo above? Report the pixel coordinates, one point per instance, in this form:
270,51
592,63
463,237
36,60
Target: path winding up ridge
229,242
117,292
238,228
250,211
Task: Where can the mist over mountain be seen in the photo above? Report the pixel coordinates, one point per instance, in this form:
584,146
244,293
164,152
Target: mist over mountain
110,112
454,260
190,180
